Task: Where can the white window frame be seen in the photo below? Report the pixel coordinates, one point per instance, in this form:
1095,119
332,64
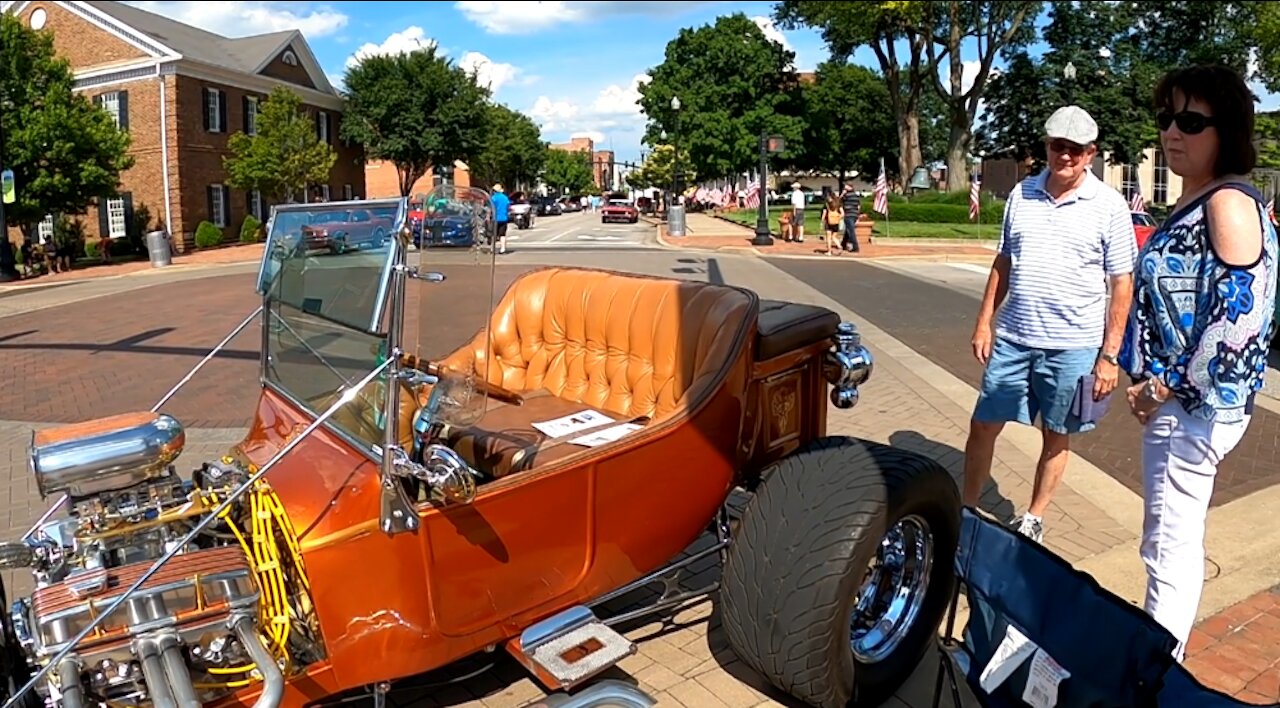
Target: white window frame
111,103
213,108
324,192
44,231
256,205
348,193
322,120
116,224
252,117
217,207
1160,179
289,58
1129,181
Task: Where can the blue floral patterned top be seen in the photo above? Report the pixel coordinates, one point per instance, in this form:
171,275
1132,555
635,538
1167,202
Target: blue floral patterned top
1202,327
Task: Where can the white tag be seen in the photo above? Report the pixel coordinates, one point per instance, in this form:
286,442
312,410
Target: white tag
569,424
1013,650
1043,680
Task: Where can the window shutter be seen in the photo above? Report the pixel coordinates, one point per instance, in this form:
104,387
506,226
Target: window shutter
124,110
248,202
328,127
222,111
208,192
318,121
104,223
128,215
226,205
204,110
244,116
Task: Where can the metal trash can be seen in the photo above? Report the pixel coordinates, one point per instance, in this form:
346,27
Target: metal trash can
159,247
675,220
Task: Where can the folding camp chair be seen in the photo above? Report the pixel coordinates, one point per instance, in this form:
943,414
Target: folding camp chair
1044,634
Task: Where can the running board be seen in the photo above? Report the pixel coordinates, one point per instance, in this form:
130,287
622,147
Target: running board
568,648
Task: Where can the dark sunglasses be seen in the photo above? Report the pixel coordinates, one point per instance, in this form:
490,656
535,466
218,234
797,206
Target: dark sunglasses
1189,122
1068,147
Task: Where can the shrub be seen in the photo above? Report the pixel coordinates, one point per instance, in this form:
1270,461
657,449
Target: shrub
208,235
251,229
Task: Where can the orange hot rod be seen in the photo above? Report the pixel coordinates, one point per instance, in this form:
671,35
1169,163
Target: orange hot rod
453,455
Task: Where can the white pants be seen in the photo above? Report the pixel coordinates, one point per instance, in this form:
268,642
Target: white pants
1180,458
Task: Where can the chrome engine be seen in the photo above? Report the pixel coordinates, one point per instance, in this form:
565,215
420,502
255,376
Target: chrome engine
200,627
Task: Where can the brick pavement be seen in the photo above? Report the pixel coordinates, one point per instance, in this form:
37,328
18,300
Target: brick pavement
229,254
937,322
1238,650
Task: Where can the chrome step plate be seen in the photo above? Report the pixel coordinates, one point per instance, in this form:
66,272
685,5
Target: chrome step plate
566,649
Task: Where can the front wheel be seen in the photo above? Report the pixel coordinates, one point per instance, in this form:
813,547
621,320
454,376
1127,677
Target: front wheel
841,570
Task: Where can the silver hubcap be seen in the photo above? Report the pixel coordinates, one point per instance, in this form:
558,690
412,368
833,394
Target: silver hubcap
893,591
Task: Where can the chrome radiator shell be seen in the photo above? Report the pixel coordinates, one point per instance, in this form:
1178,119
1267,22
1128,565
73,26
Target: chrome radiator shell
104,455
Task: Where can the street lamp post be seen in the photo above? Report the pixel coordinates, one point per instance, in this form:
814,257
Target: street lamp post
1069,73
8,263
675,165
763,238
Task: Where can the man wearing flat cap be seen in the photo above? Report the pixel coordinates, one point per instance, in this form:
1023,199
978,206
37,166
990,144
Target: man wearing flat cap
1045,332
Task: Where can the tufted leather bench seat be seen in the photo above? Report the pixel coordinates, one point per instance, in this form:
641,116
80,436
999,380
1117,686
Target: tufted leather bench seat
635,348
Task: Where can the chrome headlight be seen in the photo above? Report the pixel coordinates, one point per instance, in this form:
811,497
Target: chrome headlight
848,366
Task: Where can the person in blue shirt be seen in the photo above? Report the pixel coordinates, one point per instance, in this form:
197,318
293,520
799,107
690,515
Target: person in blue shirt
501,214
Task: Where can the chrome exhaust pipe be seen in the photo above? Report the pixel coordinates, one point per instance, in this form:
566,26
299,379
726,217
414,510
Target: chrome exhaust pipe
148,652
243,624
175,669
69,678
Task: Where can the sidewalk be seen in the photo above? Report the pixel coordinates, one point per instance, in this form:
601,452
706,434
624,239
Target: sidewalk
217,256
707,232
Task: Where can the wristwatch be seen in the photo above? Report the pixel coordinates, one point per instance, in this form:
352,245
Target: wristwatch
1109,358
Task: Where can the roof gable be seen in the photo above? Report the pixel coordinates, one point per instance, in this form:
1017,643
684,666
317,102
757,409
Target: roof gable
165,38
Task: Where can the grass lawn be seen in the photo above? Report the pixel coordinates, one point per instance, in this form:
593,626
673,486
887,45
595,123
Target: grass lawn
896,229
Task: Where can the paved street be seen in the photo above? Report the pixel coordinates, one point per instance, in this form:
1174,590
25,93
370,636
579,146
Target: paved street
579,230
121,343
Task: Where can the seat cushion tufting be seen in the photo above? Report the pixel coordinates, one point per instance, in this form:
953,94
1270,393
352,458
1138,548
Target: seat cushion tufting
635,345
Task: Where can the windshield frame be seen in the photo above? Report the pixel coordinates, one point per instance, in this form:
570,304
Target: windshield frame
378,324
378,327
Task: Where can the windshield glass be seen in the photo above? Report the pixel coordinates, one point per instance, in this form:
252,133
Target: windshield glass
325,277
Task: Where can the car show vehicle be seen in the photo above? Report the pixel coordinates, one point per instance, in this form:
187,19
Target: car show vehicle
619,209
454,457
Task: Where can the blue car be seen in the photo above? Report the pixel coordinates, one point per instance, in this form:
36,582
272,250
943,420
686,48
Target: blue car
434,231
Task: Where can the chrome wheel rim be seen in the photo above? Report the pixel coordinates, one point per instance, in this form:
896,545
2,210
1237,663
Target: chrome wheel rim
893,591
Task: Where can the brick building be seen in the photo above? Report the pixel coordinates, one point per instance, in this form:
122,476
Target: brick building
383,180
602,167
181,92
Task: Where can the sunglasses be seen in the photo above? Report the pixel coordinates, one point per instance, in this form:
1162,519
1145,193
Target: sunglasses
1188,122
1068,147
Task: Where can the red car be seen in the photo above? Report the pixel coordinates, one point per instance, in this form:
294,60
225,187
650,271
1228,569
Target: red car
619,210
347,230
1143,226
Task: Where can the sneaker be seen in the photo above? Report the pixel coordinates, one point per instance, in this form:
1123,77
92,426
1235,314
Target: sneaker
1030,526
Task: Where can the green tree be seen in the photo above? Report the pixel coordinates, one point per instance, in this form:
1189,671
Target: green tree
733,83
415,110
888,28
568,172
659,169
514,152
64,151
284,156
847,128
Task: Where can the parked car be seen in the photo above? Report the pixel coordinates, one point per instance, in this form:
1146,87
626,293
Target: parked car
1143,226
348,229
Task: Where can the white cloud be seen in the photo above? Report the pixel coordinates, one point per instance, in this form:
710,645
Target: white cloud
772,32
240,19
489,73
968,72
596,136
612,108
497,17
620,100
402,42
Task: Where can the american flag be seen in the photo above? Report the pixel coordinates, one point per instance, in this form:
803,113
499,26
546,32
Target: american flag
1271,210
1136,202
881,193
753,194
974,199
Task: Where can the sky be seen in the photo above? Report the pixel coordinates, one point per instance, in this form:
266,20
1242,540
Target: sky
573,67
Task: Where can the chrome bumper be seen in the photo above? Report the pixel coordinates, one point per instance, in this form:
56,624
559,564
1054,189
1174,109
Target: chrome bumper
610,693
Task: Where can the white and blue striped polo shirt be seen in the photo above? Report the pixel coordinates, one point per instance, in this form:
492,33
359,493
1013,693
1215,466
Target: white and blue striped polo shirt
1062,254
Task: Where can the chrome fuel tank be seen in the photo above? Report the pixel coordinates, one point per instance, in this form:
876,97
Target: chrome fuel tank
104,455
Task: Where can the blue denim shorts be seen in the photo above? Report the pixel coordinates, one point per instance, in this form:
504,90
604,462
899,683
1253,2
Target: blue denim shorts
1021,383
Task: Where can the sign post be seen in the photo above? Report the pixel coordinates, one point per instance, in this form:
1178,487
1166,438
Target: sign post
769,144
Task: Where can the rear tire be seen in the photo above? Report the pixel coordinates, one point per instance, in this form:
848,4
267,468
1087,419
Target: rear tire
798,564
